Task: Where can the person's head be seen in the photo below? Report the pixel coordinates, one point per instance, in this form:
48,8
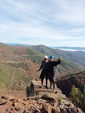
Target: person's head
51,58
45,58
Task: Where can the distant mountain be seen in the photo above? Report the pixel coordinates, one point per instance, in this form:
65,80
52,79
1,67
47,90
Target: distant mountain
17,44
70,48
75,56
66,48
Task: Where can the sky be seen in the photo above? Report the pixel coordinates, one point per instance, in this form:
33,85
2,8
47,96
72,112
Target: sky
43,22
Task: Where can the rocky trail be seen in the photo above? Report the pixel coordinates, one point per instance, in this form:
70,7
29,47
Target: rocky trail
37,100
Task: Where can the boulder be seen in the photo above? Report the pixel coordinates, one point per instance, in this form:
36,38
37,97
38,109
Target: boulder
46,108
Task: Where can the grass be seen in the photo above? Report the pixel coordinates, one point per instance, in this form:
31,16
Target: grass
70,64
5,74
3,89
60,99
9,75
17,65
34,55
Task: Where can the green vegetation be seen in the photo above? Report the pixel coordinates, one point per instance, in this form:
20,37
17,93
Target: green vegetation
5,74
35,56
77,57
69,64
82,76
37,59
3,89
11,76
38,53
60,100
68,58
77,97
18,65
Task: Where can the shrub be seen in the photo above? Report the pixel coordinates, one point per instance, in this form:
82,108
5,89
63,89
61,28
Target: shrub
77,97
3,89
60,100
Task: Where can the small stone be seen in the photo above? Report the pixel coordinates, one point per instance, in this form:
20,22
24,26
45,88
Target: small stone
17,108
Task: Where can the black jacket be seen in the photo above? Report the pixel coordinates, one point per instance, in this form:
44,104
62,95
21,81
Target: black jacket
43,66
52,66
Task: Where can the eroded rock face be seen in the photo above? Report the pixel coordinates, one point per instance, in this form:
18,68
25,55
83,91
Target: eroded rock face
44,102
66,84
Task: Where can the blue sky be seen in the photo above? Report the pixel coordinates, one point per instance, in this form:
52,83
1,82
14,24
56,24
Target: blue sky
47,22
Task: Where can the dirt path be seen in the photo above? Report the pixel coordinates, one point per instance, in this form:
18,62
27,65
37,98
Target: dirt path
12,80
13,76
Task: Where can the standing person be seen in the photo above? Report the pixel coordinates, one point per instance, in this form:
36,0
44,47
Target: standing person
44,71
52,65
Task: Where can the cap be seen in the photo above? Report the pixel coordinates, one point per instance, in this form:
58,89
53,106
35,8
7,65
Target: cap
46,57
51,57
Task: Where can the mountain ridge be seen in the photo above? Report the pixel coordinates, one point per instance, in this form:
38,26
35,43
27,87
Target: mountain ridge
78,56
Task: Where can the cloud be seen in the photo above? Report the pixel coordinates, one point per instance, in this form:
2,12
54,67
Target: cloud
43,22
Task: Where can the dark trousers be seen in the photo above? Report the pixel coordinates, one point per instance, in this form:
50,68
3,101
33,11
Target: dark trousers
43,75
51,77
52,80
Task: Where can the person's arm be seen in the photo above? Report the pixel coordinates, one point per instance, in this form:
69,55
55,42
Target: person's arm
40,66
55,63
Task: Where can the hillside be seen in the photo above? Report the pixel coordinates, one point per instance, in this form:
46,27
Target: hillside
12,77
18,53
11,54
27,61
77,56
16,68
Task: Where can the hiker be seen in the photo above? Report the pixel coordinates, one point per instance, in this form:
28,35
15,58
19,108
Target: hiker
44,71
52,65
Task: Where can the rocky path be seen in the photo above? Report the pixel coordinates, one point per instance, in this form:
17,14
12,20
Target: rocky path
39,100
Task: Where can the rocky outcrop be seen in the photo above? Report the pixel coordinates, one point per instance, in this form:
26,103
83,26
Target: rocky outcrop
45,101
66,84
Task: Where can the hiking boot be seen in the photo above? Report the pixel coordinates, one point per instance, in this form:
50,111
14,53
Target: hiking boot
50,87
46,87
